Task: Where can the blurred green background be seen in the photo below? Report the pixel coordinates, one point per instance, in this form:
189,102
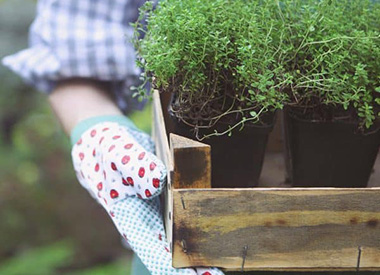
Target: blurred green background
48,222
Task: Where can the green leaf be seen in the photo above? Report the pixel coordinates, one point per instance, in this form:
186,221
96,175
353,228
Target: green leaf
253,113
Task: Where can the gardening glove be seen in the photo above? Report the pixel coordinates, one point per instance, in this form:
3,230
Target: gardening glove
114,161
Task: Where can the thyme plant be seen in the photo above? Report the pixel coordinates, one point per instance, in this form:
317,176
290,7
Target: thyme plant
235,60
331,48
216,56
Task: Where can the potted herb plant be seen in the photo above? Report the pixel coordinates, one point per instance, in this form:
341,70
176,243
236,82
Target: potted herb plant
332,117
217,60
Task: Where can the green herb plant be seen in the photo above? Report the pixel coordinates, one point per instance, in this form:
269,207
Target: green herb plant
217,57
235,60
331,49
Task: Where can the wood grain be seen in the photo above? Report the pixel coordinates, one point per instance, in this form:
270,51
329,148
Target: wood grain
284,229
192,163
165,101
162,150
161,137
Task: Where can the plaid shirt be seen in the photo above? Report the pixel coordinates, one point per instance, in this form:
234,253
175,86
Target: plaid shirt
86,38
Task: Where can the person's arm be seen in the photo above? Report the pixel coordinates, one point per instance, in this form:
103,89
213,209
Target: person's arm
115,162
75,100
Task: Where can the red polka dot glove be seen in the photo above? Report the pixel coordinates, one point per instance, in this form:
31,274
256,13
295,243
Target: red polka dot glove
114,161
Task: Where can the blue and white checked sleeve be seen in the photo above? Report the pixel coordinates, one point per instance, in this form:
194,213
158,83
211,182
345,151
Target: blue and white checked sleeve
80,38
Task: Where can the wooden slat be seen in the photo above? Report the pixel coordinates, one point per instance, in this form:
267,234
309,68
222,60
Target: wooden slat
192,163
283,229
165,101
162,145
163,152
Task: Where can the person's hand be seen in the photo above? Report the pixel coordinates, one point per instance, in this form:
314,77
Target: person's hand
115,163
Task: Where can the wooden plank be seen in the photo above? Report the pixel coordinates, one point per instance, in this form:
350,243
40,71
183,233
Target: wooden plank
192,163
165,101
160,132
282,229
163,152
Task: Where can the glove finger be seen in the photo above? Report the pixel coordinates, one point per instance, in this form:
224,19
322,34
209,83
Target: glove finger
94,168
132,167
143,139
141,224
88,168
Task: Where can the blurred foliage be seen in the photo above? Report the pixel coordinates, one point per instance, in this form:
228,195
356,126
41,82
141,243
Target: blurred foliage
43,260
41,202
118,267
143,119
50,259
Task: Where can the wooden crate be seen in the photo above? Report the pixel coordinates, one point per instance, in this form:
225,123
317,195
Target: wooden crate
268,229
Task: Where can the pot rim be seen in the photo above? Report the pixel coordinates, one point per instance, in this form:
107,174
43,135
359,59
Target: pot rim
287,111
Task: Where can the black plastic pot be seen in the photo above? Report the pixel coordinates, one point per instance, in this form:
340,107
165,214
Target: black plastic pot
328,154
237,160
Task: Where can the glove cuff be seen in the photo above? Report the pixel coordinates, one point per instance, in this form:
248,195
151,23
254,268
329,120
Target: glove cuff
86,124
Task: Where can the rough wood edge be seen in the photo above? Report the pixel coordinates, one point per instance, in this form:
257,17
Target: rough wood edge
163,152
160,131
192,163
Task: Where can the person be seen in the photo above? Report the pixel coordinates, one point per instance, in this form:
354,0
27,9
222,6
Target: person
79,55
